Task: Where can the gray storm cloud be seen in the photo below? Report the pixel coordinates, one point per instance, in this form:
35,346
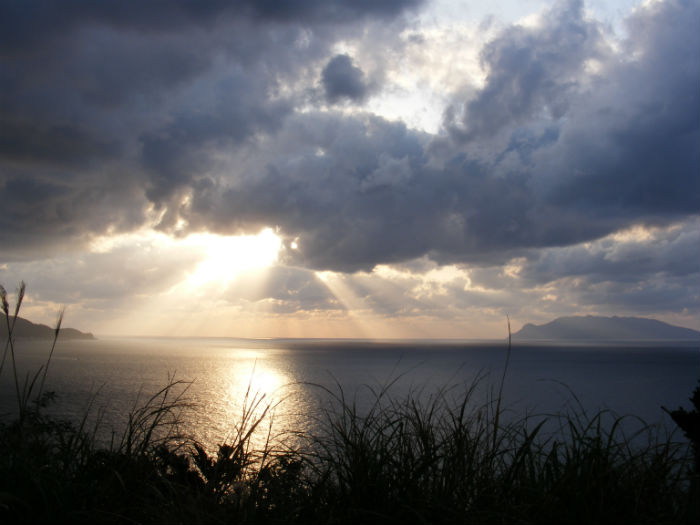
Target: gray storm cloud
108,109
534,74
343,80
200,111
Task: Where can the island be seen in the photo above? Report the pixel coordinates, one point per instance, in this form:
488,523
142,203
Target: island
590,327
27,330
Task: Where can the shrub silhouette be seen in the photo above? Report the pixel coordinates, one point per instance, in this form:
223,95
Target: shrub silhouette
440,458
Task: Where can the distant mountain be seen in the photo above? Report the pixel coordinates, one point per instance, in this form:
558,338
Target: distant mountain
590,327
27,329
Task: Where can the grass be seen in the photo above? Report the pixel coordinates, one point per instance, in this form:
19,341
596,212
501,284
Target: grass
440,458
443,461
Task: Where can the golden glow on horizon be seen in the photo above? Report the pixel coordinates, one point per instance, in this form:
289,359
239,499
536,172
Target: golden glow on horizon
213,285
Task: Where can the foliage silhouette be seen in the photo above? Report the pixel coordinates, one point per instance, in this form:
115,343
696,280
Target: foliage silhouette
438,458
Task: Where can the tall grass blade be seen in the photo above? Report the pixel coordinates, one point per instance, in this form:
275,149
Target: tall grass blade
56,331
497,415
10,337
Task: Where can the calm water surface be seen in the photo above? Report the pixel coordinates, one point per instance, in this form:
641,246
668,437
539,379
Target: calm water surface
116,373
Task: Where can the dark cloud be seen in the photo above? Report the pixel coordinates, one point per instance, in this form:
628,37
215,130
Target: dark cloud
632,148
343,80
131,103
532,71
59,211
360,190
176,154
56,145
641,271
673,252
30,23
201,115
334,181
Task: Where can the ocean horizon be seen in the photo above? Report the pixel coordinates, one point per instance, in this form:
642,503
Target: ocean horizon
114,374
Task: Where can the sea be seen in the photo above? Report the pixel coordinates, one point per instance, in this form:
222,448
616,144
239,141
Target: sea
221,383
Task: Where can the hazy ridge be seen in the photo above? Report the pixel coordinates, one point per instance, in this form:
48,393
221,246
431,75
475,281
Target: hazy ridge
26,329
587,328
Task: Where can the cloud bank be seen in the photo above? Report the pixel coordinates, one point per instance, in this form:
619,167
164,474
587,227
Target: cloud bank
231,117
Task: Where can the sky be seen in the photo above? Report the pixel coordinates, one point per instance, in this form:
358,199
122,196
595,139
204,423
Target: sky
349,168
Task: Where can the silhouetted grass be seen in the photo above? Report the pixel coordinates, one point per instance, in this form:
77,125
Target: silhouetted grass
443,461
440,458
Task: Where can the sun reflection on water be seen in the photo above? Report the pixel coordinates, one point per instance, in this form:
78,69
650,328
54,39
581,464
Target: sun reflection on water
261,381
252,389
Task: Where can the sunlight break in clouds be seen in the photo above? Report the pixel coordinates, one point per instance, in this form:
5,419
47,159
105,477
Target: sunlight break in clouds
227,256
221,257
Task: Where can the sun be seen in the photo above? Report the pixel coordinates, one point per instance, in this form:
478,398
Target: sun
227,256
